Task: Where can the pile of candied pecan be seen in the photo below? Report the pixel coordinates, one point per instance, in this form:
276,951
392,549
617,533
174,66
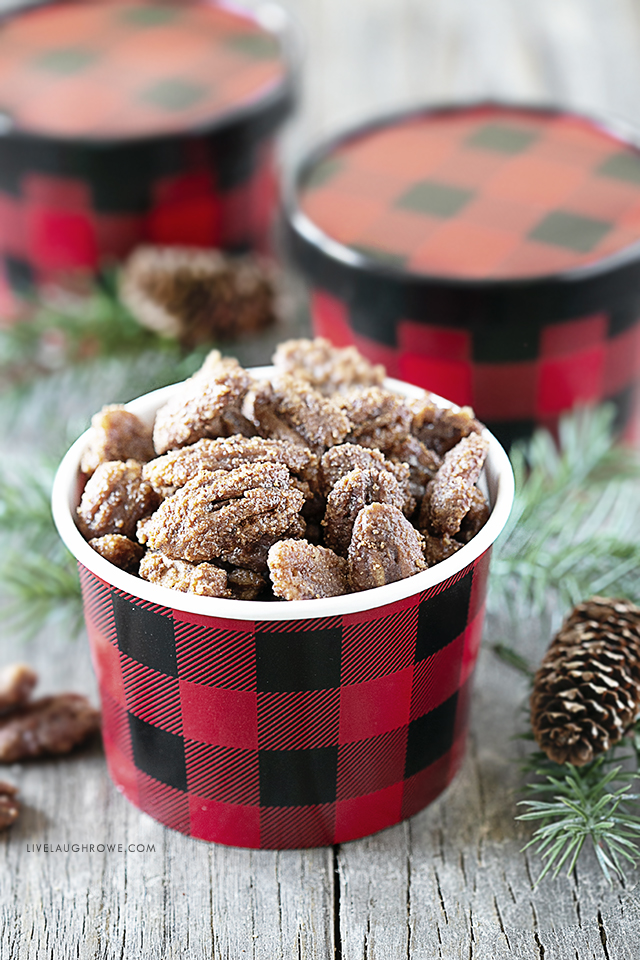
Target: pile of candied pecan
314,483
33,728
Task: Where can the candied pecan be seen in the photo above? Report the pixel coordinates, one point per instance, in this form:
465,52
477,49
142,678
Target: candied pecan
438,548
475,518
340,460
377,417
9,806
207,405
349,495
49,725
171,471
441,428
327,368
119,550
302,571
114,499
220,514
421,462
198,296
384,548
290,409
450,494
245,584
116,434
202,578
16,683
253,556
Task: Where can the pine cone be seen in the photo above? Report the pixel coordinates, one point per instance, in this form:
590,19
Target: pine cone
198,296
587,691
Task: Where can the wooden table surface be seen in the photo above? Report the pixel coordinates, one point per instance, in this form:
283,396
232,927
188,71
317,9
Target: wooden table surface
450,882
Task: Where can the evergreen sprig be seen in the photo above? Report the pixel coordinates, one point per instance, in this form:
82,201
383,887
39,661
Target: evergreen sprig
68,329
579,804
574,530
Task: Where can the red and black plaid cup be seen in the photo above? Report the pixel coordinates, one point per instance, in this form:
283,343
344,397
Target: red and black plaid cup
490,253
128,122
284,724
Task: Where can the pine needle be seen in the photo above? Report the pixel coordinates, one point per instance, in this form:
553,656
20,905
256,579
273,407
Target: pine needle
575,526
576,805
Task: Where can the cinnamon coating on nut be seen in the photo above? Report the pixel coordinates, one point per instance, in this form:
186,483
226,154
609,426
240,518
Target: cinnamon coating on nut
204,579
171,471
377,417
449,496
290,409
224,514
16,683
115,497
421,462
385,547
208,405
327,368
116,434
118,550
475,518
302,571
441,428
341,460
50,725
349,495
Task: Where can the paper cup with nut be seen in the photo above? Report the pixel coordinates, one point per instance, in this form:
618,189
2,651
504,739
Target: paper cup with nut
284,574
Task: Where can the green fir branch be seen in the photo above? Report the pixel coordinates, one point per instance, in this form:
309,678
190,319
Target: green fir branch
72,329
577,805
574,530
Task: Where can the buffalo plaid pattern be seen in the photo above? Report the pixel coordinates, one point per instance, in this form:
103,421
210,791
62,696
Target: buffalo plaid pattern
484,192
66,209
516,376
121,68
283,734
83,181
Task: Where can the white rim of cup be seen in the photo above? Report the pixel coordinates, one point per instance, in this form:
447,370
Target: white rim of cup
497,473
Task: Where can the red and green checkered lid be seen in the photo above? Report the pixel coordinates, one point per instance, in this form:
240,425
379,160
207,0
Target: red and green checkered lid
479,193
109,69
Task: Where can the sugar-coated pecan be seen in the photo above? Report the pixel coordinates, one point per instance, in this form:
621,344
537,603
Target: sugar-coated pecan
114,499
116,434
302,571
438,548
171,471
290,409
201,578
220,514
207,405
450,494
475,518
377,417
385,547
50,725
347,498
16,683
327,368
121,551
441,428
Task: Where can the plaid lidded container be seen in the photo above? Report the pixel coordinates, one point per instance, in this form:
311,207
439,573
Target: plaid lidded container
130,121
490,253
284,724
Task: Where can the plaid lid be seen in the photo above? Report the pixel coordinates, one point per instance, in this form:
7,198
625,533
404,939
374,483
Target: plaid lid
130,68
482,192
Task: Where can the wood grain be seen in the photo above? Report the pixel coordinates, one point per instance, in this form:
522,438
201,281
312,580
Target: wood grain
451,882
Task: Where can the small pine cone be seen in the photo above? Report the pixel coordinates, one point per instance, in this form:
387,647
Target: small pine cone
587,691
198,296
